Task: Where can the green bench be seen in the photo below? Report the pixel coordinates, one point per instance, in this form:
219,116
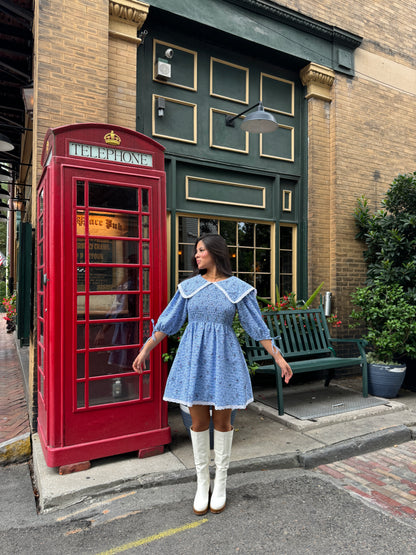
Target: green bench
307,346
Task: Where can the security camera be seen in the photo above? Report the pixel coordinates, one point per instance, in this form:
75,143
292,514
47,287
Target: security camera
169,53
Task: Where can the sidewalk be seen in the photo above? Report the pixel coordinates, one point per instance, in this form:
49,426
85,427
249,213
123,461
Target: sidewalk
262,440
14,423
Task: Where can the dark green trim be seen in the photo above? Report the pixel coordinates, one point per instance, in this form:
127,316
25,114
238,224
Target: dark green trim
267,24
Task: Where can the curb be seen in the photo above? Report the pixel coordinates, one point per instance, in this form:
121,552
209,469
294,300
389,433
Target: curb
308,460
16,450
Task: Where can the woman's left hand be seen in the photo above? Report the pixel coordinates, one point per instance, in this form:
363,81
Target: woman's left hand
287,372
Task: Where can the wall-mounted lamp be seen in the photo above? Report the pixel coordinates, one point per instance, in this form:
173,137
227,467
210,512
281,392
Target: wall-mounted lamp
28,99
160,105
163,69
259,121
5,143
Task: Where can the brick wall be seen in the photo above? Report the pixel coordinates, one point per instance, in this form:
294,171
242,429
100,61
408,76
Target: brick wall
70,65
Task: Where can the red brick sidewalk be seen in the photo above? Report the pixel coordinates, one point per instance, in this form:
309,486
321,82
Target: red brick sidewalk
385,478
14,423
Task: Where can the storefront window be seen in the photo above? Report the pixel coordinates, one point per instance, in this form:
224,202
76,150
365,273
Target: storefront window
287,259
249,244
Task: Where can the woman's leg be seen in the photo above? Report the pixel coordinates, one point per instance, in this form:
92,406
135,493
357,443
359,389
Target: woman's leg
223,438
201,449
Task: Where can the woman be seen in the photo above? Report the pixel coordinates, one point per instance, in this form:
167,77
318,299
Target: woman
209,369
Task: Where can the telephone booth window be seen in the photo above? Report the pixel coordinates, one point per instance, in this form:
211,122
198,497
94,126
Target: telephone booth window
113,273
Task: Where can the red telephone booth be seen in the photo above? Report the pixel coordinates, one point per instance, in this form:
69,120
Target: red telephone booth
101,279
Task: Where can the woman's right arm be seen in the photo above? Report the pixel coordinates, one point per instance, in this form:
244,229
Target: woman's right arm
151,343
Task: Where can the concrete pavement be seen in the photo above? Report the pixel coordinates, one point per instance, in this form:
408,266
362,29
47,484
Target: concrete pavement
263,440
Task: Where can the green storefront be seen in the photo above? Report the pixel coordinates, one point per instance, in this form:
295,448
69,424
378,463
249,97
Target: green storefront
202,61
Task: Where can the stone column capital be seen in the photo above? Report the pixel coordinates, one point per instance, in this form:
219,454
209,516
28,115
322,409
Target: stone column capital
318,81
126,18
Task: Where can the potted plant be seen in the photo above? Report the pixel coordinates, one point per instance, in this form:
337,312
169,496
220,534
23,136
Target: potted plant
389,317
389,235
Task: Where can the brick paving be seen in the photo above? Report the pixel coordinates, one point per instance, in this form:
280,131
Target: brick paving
385,478
14,420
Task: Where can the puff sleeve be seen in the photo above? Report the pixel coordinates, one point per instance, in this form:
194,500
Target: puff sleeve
174,316
251,318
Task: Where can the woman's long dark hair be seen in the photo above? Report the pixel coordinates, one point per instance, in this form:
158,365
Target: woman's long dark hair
217,248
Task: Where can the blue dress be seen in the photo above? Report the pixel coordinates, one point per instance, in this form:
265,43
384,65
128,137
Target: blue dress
209,367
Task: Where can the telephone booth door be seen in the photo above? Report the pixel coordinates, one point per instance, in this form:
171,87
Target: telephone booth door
101,281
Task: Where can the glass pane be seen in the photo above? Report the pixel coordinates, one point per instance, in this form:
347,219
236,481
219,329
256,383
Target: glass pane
285,287
233,258
113,196
146,386
81,395
80,218
41,201
145,200
41,306
262,261
286,234
80,251
80,193
41,358
112,334
245,260
119,361
81,279
146,279
185,255
40,323
41,227
146,331
263,285
41,254
112,279
113,251
80,307
81,336
80,365
208,226
188,230
114,390
229,231
114,306
146,305
145,253
246,234
40,281
184,275
285,262
41,385
262,235
145,227
248,278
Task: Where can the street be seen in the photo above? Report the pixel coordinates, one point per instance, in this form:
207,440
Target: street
280,511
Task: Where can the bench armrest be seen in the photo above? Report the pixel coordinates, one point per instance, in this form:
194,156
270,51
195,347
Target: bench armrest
361,343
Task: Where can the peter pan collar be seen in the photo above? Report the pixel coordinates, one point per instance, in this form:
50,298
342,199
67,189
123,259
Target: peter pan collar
233,288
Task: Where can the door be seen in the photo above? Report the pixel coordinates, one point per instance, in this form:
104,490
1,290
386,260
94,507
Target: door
115,233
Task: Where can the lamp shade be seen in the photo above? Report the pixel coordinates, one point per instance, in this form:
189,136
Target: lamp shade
259,121
5,143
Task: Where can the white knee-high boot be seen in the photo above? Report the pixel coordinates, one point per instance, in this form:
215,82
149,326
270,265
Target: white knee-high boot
222,448
201,448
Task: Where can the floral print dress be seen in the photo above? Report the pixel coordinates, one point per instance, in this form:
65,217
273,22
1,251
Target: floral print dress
209,367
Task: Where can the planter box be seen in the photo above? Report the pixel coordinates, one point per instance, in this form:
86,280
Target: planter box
385,380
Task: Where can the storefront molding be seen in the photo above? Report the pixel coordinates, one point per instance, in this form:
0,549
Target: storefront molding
318,81
126,18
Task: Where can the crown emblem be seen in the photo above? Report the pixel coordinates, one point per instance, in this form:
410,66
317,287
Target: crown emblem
112,138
